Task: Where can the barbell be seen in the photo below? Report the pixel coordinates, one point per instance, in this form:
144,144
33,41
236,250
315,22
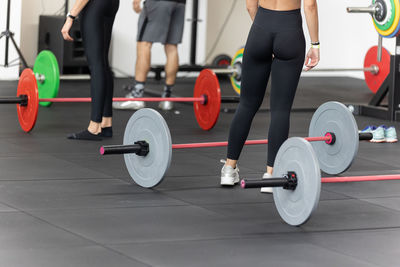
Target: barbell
48,76
375,71
206,99
297,182
147,145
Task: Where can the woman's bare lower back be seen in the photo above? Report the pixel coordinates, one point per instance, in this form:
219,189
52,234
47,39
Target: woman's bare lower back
280,4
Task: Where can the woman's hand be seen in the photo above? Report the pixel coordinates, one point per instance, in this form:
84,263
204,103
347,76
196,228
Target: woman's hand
136,6
66,28
312,58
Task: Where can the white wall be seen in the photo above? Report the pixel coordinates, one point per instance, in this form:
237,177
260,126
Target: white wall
31,10
234,35
15,25
345,38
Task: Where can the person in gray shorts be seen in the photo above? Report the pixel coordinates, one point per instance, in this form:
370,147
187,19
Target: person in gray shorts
160,21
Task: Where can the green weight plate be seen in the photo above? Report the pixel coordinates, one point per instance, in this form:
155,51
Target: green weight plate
47,75
388,21
148,125
334,117
296,206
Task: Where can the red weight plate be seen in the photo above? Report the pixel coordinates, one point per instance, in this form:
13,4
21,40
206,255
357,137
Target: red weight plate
27,85
207,113
374,81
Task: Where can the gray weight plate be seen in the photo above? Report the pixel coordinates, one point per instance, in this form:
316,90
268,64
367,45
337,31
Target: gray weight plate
148,125
337,118
296,206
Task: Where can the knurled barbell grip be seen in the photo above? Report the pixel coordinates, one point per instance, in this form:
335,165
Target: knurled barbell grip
22,100
140,148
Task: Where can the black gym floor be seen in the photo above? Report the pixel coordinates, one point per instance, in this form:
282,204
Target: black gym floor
61,204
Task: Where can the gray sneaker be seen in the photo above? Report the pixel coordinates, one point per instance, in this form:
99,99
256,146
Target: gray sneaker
166,105
266,189
134,105
390,134
229,175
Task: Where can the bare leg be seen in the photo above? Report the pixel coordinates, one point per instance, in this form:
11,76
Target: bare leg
231,162
172,65
106,122
270,170
143,61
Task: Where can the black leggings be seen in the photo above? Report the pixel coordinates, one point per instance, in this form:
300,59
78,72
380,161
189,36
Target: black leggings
97,20
275,45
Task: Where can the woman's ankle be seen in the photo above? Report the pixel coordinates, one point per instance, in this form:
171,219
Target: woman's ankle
106,122
231,163
94,127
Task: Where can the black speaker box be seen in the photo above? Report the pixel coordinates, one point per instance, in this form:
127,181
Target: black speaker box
70,55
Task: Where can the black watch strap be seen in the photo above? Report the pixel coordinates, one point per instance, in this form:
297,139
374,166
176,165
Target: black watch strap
70,16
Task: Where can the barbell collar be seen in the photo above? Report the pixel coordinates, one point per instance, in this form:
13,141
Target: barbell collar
370,9
22,100
140,148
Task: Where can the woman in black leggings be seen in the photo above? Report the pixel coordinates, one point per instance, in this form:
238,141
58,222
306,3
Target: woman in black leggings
97,19
276,47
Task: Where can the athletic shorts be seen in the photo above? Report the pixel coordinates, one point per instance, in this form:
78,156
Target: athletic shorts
161,22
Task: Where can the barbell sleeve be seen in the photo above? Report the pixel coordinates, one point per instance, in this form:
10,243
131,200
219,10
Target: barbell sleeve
224,71
287,183
365,136
22,100
140,148
270,182
330,138
369,9
41,78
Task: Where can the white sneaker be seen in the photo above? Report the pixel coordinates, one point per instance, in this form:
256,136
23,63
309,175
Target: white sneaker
134,105
266,189
166,105
229,175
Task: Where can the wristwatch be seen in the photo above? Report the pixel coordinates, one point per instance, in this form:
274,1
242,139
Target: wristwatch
70,16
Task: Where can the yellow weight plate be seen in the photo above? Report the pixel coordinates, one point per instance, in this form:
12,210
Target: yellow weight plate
395,24
237,58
